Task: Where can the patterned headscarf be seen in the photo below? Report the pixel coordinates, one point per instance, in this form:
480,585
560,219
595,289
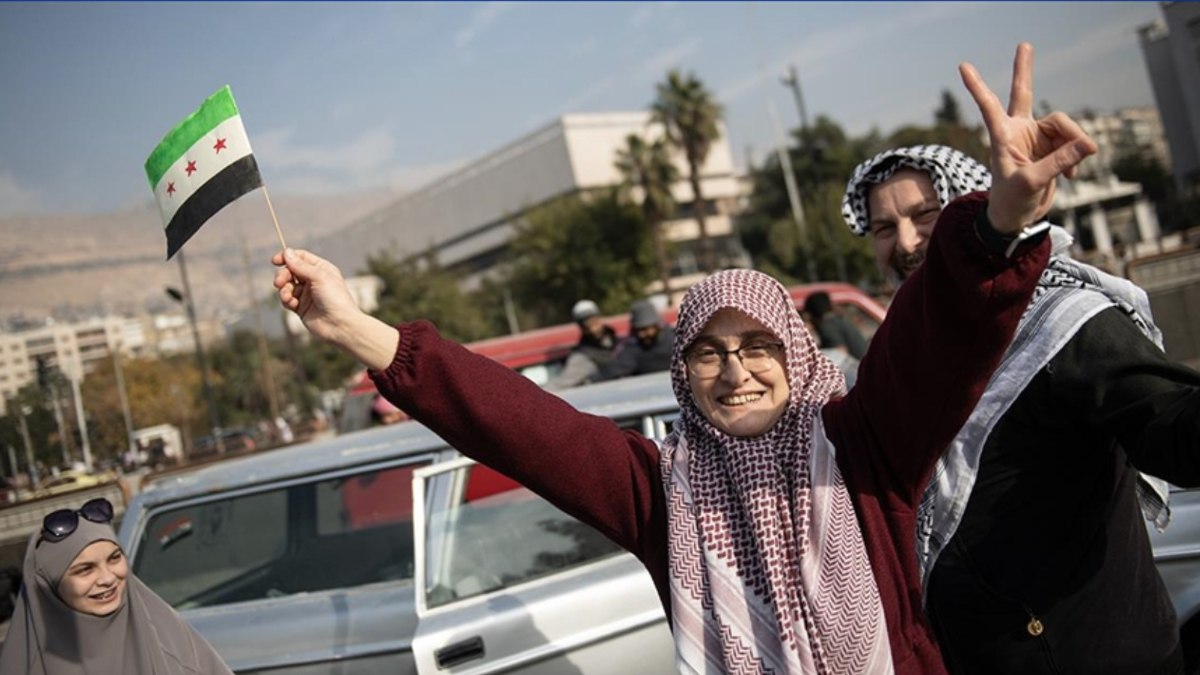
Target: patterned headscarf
769,573
953,173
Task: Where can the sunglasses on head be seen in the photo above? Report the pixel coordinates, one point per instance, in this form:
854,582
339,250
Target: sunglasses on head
60,524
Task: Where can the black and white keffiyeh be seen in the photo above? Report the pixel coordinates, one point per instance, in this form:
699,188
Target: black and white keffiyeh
953,173
1068,294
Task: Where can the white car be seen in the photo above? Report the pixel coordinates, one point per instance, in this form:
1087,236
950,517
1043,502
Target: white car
385,551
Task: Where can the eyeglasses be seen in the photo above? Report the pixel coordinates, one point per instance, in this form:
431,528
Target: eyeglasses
756,357
60,524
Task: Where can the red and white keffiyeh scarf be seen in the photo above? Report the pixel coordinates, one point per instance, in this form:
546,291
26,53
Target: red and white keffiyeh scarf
769,573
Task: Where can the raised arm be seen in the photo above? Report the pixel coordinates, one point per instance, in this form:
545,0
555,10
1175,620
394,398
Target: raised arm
952,320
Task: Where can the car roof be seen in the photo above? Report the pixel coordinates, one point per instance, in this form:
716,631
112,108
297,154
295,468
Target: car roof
646,394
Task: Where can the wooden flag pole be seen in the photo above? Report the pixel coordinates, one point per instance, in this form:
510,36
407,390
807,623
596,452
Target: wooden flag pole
282,243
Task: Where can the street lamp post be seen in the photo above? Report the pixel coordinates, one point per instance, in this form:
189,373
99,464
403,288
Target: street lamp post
34,479
186,298
123,395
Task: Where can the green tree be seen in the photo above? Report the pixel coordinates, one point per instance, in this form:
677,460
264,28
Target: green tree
822,159
238,382
948,113
420,288
574,247
948,129
689,115
648,168
39,421
160,391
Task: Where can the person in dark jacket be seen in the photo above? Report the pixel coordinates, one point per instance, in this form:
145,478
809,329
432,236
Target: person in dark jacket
1033,551
833,330
648,347
596,348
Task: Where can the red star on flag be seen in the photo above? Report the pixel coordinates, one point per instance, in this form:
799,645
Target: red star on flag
170,189
220,145
191,168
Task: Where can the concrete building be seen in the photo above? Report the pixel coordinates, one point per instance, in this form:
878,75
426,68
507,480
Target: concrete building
1111,221
1120,132
71,348
467,216
1171,48
168,334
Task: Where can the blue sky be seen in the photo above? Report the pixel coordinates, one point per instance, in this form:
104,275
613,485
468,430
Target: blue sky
358,96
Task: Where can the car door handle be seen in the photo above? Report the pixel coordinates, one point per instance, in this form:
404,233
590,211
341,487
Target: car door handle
459,652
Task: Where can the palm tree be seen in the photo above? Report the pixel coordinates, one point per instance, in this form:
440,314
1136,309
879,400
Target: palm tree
648,166
689,116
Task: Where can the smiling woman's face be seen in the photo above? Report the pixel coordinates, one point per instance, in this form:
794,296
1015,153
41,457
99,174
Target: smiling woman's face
95,580
736,401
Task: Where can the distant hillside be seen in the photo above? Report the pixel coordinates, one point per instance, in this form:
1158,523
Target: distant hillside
76,265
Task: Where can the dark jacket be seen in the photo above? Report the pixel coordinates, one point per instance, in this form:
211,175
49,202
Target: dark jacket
1053,532
835,331
633,358
600,350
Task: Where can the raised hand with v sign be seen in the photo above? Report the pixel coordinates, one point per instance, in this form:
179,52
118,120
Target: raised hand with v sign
1028,154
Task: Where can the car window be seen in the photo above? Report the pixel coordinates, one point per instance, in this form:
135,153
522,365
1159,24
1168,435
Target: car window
325,534
498,534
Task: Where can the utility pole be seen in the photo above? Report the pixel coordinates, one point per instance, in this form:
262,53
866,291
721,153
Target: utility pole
123,395
35,481
202,361
82,421
264,354
793,192
792,81
300,378
510,312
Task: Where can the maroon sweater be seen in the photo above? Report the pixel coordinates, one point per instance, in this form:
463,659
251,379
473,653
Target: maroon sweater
927,366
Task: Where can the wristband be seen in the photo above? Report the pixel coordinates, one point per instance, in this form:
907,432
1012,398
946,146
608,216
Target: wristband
1006,244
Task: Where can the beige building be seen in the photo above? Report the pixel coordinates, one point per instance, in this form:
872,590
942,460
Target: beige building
71,348
1171,50
1119,132
1111,221
467,216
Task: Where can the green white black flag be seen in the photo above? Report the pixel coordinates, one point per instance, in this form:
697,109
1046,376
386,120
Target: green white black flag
203,164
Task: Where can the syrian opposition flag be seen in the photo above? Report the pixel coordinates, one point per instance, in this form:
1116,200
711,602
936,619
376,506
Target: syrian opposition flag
203,164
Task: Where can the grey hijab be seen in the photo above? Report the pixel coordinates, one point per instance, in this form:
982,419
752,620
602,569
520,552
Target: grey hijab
145,636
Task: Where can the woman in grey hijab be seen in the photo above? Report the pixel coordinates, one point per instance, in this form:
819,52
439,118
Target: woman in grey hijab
82,611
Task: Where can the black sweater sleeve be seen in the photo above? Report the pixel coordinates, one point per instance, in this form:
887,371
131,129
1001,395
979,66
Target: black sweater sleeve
1122,384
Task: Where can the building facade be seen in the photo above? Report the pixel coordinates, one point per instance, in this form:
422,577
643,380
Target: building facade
70,348
1171,49
467,217
1127,130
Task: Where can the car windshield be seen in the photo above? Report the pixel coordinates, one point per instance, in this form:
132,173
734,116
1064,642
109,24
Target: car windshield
281,541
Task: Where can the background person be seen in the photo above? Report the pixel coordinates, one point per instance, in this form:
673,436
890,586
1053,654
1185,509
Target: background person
647,348
595,349
1033,550
833,330
82,611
